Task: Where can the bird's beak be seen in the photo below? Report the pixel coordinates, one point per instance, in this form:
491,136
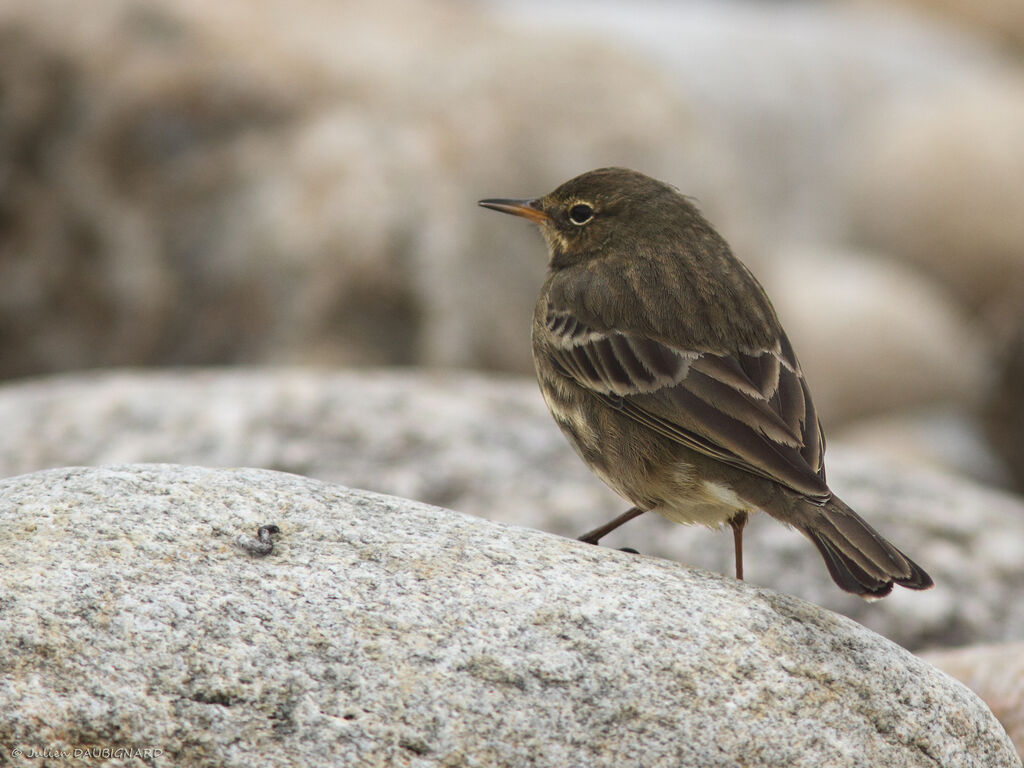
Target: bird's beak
528,209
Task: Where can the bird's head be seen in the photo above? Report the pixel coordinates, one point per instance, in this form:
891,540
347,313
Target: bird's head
607,209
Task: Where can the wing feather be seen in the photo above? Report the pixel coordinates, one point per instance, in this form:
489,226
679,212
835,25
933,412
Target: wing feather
750,409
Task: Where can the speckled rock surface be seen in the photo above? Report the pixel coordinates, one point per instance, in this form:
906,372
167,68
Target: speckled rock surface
996,674
487,446
383,632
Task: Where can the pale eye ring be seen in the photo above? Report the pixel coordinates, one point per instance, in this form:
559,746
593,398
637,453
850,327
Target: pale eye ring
580,214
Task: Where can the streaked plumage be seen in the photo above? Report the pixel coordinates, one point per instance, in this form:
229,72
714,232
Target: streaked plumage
663,362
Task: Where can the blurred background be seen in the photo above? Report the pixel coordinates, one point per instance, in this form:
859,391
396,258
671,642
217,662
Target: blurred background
187,183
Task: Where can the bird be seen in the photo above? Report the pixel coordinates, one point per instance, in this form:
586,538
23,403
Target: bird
662,360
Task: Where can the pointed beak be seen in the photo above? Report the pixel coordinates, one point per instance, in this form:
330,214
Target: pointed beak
528,209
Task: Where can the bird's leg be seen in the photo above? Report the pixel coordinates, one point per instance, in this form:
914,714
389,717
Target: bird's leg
737,522
594,536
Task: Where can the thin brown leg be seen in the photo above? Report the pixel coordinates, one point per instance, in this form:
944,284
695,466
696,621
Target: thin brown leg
594,536
737,522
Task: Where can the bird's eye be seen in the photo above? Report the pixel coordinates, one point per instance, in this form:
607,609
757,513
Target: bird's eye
580,214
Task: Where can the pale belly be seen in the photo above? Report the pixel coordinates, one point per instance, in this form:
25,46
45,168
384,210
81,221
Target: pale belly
685,500
712,505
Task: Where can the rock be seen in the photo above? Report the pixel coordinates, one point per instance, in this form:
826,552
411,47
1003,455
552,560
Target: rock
784,85
943,439
169,198
873,336
381,631
487,446
1003,406
996,674
968,537
466,441
1000,20
172,198
935,181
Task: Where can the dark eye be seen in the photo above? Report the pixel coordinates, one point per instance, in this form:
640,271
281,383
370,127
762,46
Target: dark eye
580,214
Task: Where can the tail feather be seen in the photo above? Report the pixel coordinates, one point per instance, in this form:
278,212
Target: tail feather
861,543
858,558
846,573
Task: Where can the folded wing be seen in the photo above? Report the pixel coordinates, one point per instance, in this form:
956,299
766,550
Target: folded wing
750,409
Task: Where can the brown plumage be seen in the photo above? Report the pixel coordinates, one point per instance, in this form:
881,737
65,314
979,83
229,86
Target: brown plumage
662,360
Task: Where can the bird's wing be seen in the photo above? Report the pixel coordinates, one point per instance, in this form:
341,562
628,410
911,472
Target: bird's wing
750,409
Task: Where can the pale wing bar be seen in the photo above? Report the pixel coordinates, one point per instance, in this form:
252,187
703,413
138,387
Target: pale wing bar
751,410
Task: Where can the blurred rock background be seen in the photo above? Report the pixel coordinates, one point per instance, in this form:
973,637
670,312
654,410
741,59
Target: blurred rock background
261,181
264,182
186,183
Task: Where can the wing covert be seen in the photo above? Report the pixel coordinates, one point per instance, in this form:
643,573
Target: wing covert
750,409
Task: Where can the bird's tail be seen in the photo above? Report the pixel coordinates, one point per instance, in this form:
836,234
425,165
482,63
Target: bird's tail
858,557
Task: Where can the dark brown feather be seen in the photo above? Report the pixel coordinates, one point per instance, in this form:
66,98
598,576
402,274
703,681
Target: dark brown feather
707,402
859,558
